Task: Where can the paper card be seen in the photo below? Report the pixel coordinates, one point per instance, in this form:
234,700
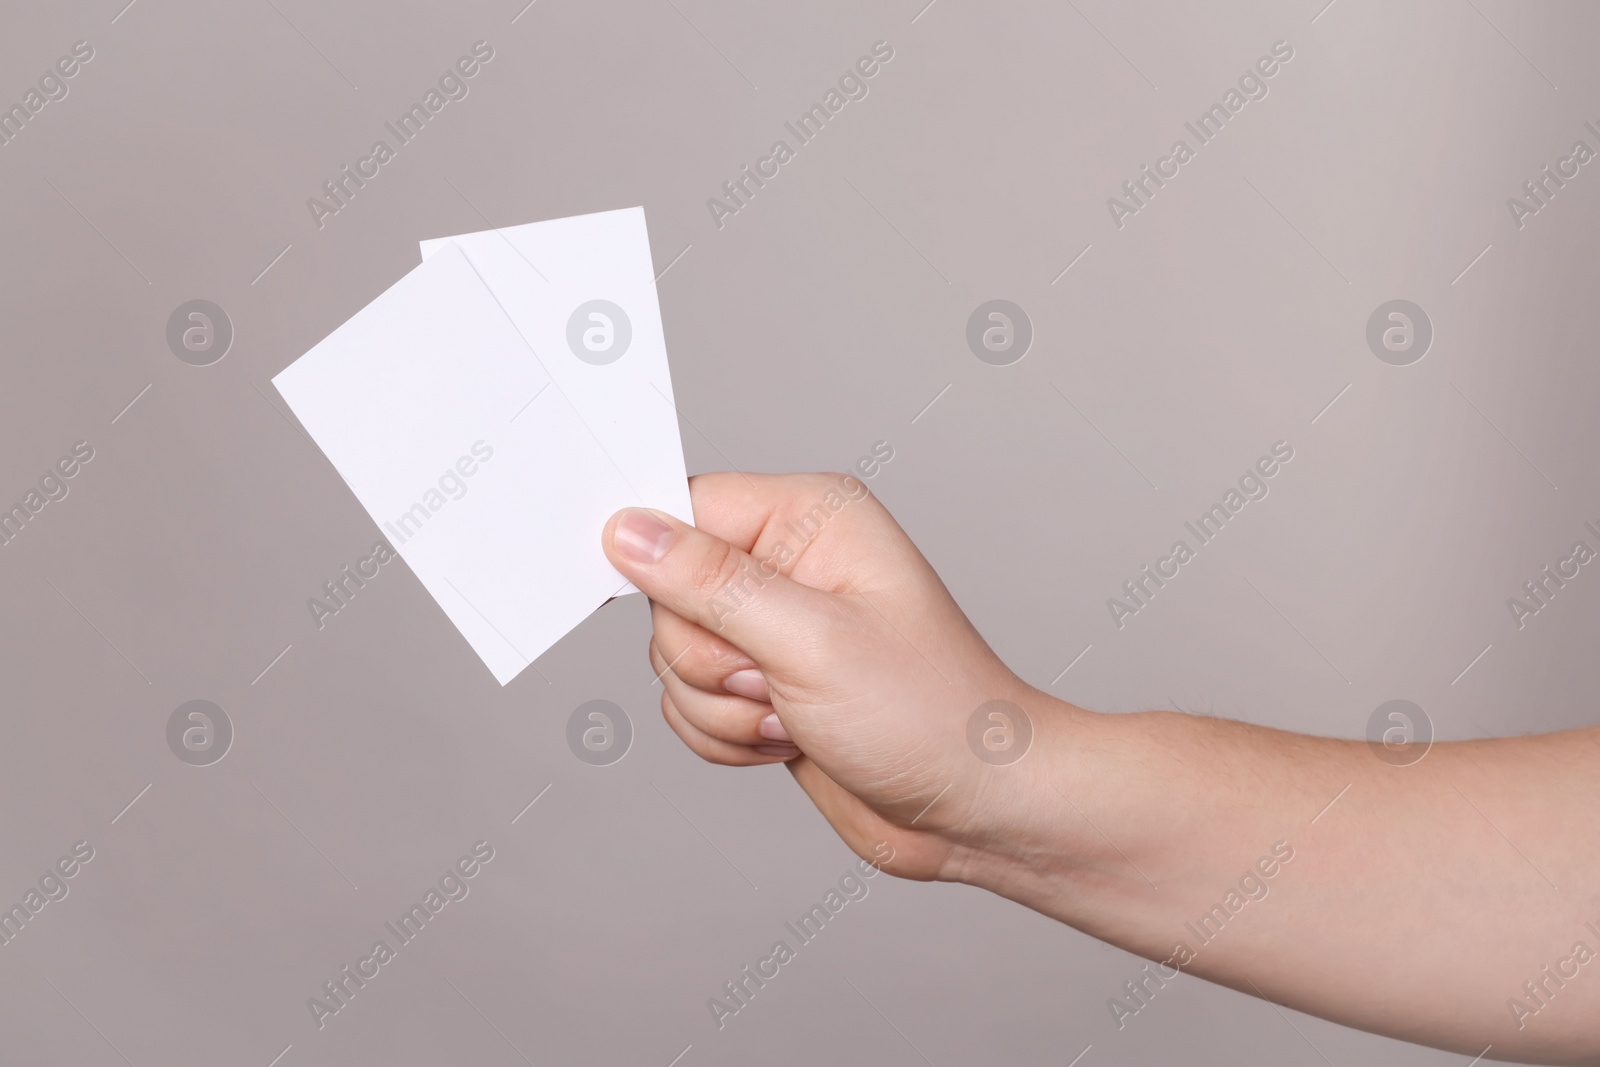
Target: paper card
582,293
468,456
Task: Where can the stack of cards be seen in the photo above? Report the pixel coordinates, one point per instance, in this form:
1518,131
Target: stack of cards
491,410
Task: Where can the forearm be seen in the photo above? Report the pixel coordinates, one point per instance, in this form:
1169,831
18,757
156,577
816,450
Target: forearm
1415,904
1423,901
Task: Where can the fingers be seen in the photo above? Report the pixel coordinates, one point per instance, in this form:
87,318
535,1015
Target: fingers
714,584
727,717
716,750
703,659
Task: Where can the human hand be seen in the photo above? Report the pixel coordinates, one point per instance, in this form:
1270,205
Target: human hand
796,622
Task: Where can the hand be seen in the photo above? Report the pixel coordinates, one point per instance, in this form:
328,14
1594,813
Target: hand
796,622
797,609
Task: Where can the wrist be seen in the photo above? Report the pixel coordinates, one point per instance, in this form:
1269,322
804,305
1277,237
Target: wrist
1026,834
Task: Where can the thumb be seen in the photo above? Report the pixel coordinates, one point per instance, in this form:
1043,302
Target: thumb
708,581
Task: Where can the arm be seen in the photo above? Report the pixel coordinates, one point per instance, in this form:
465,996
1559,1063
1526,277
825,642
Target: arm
1400,909
796,623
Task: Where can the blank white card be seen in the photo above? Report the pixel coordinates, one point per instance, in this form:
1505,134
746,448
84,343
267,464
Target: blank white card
469,450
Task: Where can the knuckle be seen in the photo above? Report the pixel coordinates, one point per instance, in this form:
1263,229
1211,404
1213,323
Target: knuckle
715,569
701,745
661,663
673,631
818,485
692,738
702,664
721,756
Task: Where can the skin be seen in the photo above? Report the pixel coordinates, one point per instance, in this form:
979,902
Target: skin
1410,901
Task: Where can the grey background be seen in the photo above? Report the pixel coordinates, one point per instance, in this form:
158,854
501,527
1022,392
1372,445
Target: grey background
823,317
